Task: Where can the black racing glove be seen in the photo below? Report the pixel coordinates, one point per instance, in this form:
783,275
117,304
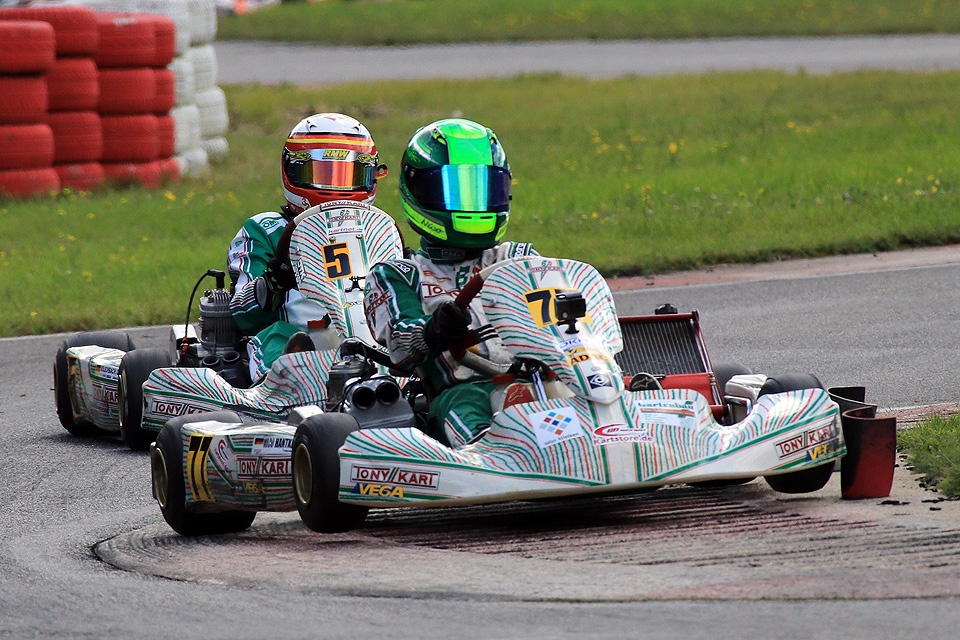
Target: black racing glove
448,325
271,286
279,276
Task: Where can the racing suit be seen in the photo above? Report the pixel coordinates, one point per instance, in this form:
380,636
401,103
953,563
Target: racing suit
399,299
252,248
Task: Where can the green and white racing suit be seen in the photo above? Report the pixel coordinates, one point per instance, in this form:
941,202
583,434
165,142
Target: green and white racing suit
252,248
400,298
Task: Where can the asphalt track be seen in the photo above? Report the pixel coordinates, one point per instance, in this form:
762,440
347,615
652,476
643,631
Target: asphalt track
84,552
274,63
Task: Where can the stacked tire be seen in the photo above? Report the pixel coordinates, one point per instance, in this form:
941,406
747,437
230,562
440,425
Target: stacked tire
27,52
199,116
136,92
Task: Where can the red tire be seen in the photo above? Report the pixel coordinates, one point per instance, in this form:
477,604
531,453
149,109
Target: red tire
126,40
165,36
169,170
73,85
26,47
23,99
75,27
166,136
20,183
127,91
80,177
77,137
129,138
165,95
147,174
26,146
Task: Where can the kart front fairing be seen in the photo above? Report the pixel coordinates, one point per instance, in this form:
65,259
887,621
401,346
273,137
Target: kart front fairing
595,437
331,251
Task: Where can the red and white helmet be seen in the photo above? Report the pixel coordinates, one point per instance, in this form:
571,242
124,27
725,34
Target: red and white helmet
329,156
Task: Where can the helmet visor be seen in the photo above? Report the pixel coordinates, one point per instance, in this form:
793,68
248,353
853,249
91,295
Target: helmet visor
331,169
461,187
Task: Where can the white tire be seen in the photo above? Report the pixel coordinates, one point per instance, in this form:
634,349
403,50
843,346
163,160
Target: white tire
217,149
186,128
204,61
196,162
203,21
212,105
184,80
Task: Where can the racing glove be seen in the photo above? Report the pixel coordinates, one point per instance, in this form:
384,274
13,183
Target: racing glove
448,325
275,281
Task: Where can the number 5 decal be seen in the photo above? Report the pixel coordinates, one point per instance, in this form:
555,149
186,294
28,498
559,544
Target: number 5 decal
336,260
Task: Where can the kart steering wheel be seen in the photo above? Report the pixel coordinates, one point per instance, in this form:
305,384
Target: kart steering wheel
460,351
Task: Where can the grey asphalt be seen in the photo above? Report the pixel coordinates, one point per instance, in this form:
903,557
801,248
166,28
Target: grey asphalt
273,63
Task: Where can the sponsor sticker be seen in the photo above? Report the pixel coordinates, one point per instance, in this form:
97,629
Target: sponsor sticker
165,407
356,230
395,475
674,413
814,443
266,445
611,433
263,467
556,425
376,489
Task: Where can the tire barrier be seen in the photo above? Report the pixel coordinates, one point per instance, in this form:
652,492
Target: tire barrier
118,90
21,183
80,177
75,27
26,47
130,138
127,91
23,99
73,84
146,174
165,91
77,137
26,146
126,40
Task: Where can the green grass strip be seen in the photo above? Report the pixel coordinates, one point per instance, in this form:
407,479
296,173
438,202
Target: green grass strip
348,22
635,176
933,450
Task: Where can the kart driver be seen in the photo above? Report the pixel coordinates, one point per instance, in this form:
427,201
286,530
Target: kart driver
455,191
327,156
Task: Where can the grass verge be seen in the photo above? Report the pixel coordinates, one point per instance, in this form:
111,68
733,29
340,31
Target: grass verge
933,449
349,22
636,175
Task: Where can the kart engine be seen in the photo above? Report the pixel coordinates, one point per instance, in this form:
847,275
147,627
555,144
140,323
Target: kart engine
374,399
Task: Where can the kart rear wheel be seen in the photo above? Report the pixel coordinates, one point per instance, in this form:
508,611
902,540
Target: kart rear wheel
61,387
169,489
135,368
805,480
316,474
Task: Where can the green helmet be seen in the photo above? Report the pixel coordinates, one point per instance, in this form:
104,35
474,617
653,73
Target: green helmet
455,184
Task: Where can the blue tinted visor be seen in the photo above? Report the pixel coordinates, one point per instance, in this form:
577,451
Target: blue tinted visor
461,187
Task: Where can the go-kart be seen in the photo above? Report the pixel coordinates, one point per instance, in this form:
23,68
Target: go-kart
103,383
589,428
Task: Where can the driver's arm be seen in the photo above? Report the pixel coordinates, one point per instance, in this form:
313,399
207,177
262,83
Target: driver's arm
394,312
252,248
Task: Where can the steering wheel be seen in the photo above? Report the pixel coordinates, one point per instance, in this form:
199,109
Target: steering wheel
460,352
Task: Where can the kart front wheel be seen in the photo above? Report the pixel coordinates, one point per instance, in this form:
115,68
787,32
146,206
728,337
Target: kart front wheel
135,368
316,473
61,380
805,480
169,488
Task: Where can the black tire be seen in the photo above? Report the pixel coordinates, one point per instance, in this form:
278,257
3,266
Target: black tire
169,490
135,368
805,480
727,370
316,474
61,392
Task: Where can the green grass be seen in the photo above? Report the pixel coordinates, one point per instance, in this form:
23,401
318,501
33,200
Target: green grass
353,22
933,450
634,175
